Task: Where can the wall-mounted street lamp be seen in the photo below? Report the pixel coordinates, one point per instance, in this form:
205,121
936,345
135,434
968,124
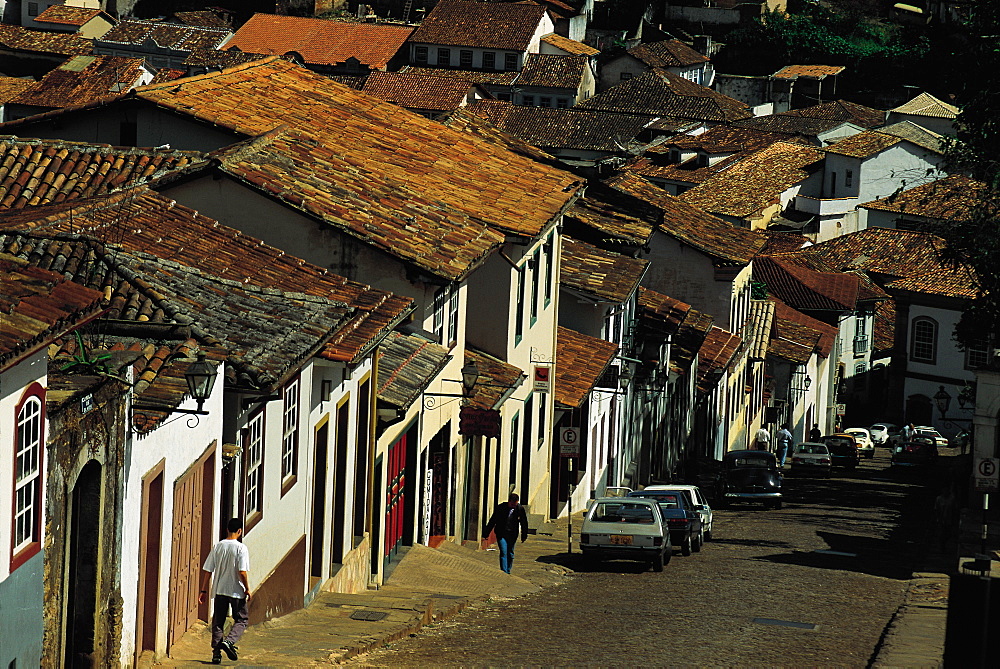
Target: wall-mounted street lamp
469,381
200,377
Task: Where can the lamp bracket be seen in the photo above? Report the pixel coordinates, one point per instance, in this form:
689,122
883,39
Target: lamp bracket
167,410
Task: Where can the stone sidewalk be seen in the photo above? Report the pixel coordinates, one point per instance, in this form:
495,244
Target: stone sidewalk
431,584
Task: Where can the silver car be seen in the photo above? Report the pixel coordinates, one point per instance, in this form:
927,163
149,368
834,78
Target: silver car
698,501
626,528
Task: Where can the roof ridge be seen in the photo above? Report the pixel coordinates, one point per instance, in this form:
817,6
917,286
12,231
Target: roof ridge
207,75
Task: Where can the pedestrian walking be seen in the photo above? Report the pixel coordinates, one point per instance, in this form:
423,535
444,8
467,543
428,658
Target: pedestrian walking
507,521
815,434
762,441
226,567
908,431
784,438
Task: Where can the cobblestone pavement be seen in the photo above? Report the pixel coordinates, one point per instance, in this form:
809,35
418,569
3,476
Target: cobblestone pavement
838,556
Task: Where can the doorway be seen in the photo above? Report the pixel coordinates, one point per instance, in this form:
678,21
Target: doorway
150,530
84,567
191,537
318,530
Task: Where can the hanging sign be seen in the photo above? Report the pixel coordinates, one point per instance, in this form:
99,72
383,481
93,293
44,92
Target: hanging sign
569,442
543,380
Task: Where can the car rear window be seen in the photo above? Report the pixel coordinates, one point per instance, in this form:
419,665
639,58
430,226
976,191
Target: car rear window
666,500
622,512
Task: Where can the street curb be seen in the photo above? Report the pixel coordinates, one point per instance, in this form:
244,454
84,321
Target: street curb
915,635
428,616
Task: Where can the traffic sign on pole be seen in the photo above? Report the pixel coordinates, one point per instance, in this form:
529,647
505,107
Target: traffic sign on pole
987,475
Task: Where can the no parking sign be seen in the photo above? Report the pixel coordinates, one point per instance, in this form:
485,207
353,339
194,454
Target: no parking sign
569,442
987,475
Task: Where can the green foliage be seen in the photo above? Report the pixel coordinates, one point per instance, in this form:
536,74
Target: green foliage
976,152
83,362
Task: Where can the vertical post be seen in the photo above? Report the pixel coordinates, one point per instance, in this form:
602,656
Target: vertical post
986,591
569,508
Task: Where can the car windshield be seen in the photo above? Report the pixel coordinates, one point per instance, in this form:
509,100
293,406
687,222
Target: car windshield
622,512
858,431
811,448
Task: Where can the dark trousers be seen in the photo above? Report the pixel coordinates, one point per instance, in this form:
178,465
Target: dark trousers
223,605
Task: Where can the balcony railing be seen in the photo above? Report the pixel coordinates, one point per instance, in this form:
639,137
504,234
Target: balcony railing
825,206
860,345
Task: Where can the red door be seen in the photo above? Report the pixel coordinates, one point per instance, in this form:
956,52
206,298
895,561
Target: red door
395,498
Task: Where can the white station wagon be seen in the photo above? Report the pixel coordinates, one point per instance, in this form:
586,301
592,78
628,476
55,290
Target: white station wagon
626,528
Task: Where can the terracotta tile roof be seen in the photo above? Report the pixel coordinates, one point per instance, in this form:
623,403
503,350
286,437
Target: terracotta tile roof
416,91
496,377
806,289
717,351
161,227
464,121
552,71
562,128
916,134
797,336
407,363
863,145
472,76
760,320
488,25
16,38
612,219
956,282
722,139
668,53
811,121
208,18
868,290
808,71
37,306
437,197
166,74
11,87
570,46
662,93
691,225
757,181
83,79
319,41
580,363
884,327
37,172
781,242
611,277
666,311
166,35
926,104
949,199
884,252
686,343
69,16
214,59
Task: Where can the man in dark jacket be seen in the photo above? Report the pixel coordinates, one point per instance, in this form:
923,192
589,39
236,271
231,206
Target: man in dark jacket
508,520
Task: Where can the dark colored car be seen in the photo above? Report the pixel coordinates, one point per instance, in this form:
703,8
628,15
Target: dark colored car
843,450
917,451
683,522
749,476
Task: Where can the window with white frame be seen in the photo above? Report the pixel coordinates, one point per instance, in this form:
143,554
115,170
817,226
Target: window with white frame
510,62
440,302
550,263
562,103
519,312
977,355
465,58
848,178
529,100
536,275
923,340
420,54
28,476
290,434
453,316
443,56
252,438
489,60
544,101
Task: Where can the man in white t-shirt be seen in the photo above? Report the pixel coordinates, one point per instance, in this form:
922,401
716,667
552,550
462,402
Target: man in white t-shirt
762,440
227,565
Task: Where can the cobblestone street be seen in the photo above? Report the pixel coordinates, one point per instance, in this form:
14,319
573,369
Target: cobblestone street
837,557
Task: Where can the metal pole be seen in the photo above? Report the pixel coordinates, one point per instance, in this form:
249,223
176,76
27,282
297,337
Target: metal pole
984,647
569,508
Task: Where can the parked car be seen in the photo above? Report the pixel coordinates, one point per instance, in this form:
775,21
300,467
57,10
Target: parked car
843,450
812,459
863,439
626,528
682,521
697,500
749,476
919,450
927,431
882,433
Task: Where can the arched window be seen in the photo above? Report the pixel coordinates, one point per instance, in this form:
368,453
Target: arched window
29,441
923,340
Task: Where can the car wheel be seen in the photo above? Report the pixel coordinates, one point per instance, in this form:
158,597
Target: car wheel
708,534
698,542
658,562
686,546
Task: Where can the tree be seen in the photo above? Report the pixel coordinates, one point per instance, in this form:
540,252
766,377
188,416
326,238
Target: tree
975,242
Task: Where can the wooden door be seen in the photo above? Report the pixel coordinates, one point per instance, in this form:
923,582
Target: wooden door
190,523
395,499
